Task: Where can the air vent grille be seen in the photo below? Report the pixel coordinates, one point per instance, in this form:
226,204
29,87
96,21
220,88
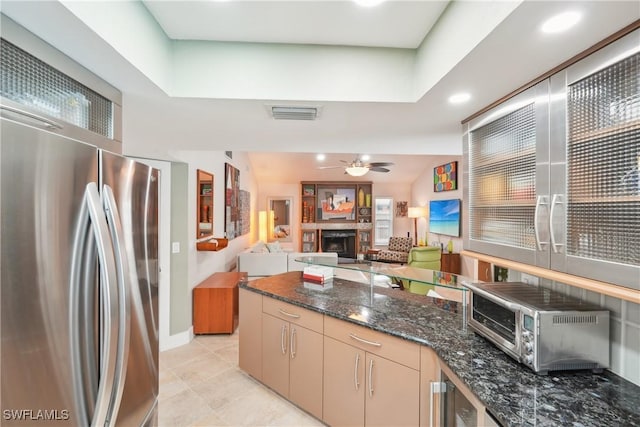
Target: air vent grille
565,319
294,113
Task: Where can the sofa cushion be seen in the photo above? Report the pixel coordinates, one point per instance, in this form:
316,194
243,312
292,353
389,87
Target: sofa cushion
274,247
259,248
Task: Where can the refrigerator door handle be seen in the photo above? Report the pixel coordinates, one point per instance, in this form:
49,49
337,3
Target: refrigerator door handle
124,297
108,304
84,374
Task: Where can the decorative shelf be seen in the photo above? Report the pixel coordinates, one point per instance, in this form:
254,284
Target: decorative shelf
212,244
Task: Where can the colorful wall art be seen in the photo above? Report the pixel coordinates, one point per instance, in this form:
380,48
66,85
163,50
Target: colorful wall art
245,212
231,202
445,177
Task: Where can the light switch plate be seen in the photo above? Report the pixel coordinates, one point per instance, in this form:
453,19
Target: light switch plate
175,247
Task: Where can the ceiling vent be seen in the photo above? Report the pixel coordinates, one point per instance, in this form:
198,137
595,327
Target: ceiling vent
294,113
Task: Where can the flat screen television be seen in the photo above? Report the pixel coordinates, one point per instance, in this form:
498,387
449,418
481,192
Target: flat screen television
444,217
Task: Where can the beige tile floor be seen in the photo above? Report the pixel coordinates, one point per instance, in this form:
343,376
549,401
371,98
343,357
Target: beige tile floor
201,385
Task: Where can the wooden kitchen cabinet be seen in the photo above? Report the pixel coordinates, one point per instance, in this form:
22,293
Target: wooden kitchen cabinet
370,378
250,341
215,303
343,384
429,374
292,351
450,263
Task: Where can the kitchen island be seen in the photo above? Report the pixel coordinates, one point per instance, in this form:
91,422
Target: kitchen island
511,393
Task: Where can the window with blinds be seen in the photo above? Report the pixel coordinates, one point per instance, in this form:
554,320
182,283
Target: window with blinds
603,164
33,83
502,164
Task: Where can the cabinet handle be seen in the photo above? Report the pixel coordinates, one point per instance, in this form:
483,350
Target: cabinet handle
554,202
355,372
541,201
357,338
295,316
283,339
436,387
371,378
292,343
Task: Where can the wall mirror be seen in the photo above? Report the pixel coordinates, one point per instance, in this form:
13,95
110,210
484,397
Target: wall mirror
280,214
204,226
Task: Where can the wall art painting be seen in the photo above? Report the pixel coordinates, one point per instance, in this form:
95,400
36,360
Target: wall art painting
231,202
336,203
402,209
245,212
445,177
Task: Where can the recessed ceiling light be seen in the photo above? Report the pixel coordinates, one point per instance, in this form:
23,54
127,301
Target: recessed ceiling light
459,98
365,157
368,3
561,22
320,157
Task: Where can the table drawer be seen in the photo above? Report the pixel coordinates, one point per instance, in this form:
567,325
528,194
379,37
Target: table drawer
293,313
384,345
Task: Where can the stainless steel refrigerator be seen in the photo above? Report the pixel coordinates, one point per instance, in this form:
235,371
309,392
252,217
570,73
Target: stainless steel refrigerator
79,290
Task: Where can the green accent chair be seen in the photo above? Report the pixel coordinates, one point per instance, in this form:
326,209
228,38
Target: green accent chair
427,257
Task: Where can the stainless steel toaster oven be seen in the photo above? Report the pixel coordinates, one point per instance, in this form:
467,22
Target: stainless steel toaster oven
541,328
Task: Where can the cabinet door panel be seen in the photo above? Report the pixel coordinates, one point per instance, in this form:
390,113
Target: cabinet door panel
392,393
305,369
250,341
275,354
344,384
379,343
294,314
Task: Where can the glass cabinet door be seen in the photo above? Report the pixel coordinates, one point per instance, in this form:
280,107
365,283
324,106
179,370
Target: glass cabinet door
596,230
508,178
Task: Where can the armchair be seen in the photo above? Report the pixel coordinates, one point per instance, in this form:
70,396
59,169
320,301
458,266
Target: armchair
428,257
397,250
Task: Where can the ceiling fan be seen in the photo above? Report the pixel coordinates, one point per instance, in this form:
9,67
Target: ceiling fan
358,167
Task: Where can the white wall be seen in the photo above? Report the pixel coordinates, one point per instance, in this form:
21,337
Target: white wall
202,264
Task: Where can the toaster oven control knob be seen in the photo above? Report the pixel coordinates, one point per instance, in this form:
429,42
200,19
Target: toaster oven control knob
526,335
528,359
529,347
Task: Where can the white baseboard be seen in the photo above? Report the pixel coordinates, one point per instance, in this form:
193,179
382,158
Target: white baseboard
177,340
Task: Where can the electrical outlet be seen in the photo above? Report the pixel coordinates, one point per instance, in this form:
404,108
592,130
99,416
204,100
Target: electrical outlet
527,278
175,247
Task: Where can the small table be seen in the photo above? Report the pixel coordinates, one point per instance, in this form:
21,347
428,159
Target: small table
215,303
372,254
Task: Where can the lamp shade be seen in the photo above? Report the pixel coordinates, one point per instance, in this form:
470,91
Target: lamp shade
262,226
357,170
418,212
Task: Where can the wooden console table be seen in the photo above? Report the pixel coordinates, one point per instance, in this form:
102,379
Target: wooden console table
215,303
450,263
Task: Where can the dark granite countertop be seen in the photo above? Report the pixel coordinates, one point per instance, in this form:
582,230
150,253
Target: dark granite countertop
513,394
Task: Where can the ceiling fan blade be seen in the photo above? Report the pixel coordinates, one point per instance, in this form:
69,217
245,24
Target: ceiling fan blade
376,164
378,169
329,167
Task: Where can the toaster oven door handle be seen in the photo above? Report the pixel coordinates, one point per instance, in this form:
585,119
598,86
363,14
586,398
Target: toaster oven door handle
501,301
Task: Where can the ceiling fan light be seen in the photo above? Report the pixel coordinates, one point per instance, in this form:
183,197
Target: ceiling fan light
357,170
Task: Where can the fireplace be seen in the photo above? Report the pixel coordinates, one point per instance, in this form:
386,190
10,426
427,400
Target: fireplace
343,242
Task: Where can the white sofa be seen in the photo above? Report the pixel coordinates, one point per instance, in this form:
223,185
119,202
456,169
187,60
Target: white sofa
268,259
